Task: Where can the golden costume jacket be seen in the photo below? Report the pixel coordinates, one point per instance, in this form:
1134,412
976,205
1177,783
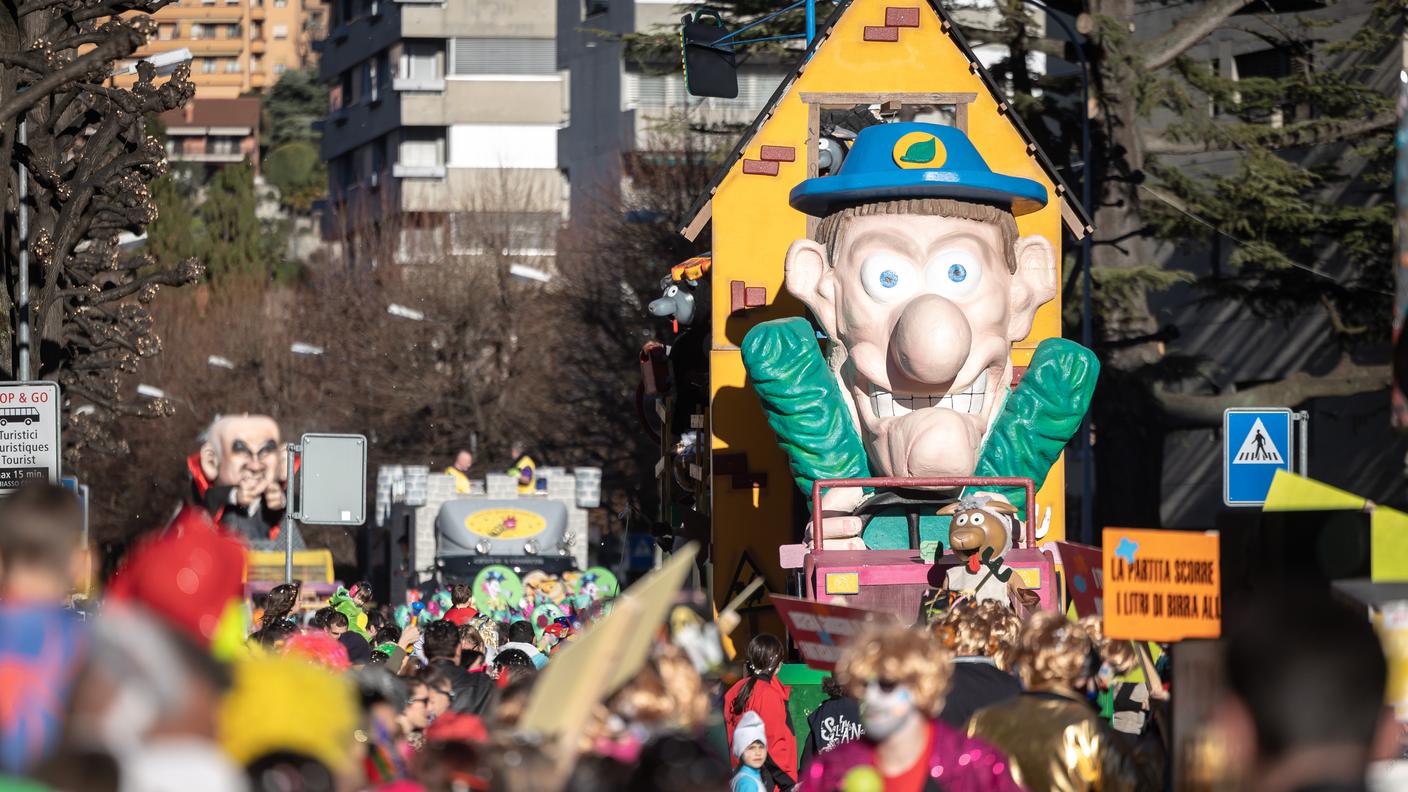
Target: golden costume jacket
1057,743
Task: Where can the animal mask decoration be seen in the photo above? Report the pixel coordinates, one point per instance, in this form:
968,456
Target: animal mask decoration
980,522
678,291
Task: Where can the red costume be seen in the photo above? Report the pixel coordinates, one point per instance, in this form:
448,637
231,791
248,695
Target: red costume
769,700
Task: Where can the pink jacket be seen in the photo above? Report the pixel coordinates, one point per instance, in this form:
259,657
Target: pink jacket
957,763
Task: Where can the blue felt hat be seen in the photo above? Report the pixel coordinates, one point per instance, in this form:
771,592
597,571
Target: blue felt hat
913,160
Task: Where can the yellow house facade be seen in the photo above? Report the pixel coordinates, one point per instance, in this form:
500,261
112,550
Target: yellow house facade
900,57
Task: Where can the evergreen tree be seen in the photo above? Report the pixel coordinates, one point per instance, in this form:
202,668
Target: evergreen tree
299,175
171,236
232,247
293,104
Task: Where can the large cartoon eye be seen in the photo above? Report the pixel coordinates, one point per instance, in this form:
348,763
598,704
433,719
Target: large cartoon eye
978,519
954,273
887,278
960,520
672,291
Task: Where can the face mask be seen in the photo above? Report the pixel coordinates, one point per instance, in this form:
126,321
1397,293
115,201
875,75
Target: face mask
884,713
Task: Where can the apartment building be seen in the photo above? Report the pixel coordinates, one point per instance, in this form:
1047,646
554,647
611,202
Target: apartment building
213,132
237,46
444,115
621,107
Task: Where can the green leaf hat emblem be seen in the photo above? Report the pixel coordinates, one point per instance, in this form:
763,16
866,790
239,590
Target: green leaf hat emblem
920,152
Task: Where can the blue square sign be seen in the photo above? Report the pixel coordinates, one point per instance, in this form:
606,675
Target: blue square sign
1256,442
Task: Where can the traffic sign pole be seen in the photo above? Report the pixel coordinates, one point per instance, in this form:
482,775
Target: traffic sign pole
1302,420
288,513
85,494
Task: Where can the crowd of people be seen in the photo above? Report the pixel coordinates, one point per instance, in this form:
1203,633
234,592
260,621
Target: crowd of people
175,683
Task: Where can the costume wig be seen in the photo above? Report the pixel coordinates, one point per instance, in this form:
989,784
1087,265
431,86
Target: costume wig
900,655
1118,655
1054,651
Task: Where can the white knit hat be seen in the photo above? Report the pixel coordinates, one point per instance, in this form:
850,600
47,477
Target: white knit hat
748,731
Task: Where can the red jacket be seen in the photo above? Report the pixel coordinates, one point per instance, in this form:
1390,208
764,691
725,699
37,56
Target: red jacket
461,615
769,700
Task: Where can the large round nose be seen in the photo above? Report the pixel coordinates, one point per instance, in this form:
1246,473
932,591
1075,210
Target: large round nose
967,537
930,341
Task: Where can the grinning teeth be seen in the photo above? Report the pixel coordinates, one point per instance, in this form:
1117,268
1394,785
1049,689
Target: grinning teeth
968,400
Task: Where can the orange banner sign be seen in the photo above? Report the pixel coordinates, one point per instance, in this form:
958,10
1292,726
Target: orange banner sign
1162,585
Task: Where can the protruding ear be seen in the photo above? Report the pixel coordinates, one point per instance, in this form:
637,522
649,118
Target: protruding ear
949,509
209,464
1033,284
810,279
1001,507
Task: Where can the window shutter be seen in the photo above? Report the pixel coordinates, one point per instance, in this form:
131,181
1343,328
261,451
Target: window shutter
479,56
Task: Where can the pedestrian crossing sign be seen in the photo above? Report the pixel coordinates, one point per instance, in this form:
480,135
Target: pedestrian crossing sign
1256,442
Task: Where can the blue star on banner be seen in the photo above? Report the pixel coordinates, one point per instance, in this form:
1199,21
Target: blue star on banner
1126,550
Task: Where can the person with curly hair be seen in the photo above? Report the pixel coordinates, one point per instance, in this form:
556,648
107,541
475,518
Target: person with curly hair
967,632
1004,627
1122,701
901,677
1056,741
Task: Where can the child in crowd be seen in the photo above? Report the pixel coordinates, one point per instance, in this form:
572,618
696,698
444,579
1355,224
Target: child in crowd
42,645
750,745
462,611
835,722
761,692
352,603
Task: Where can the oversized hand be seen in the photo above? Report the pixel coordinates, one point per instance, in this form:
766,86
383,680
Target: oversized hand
249,491
274,496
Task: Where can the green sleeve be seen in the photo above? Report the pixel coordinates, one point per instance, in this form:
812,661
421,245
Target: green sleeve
803,402
1041,415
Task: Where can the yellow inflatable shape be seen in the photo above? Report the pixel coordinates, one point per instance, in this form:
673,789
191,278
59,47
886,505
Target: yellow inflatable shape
1290,492
288,704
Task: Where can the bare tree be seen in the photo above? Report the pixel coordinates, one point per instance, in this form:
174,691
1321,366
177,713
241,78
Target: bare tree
609,275
479,359
88,160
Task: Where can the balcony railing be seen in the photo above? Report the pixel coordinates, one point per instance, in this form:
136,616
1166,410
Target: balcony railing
435,84
205,156
418,171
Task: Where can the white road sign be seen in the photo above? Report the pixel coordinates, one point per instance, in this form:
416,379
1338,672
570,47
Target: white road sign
29,433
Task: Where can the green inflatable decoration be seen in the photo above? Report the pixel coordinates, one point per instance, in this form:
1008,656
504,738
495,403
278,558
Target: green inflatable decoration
543,615
803,402
599,582
497,590
1041,416
806,409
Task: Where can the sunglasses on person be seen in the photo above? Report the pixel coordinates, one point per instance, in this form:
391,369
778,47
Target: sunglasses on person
422,700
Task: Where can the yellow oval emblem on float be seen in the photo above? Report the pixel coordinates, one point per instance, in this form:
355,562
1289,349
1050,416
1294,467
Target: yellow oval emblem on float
919,150
505,524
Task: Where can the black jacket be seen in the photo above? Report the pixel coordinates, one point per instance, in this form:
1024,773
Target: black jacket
976,683
836,721
472,691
